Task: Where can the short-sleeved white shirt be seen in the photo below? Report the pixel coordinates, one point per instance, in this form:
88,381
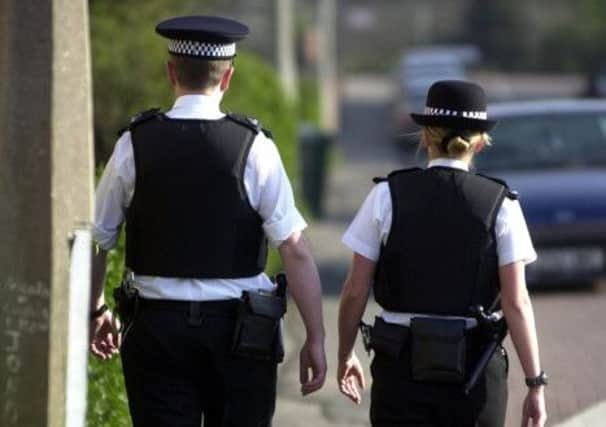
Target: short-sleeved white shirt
371,225
267,187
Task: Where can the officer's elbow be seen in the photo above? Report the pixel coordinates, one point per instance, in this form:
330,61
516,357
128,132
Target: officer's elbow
514,295
294,249
354,290
517,305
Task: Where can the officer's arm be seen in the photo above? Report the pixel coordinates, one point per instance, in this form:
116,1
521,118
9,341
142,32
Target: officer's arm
519,315
113,194
103,333
354,297
304,285
520,320
99,266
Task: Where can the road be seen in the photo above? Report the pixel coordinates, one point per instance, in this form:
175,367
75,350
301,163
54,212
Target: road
570,323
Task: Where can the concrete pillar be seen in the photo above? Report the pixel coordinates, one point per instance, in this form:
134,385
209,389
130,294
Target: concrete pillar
45,201
285,41
327,65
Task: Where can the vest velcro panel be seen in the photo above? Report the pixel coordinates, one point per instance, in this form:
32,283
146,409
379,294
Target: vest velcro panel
190,216
440,257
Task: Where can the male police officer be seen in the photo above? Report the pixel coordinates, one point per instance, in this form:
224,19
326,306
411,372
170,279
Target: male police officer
200,192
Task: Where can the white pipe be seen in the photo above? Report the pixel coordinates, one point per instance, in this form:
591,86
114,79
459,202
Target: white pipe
77,340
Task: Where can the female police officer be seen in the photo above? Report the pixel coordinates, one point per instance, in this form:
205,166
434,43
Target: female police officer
436,243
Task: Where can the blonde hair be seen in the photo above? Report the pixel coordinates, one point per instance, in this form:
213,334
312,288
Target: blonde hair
454,143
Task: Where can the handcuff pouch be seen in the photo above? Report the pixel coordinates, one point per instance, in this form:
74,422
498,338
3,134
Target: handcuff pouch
126,298
438,350
388,338
257,333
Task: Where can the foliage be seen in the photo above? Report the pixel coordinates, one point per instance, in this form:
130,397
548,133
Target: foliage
128,64
309,101
500,29
517,35
579,41
255,91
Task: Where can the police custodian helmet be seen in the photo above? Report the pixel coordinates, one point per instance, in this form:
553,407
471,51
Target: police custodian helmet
204,37
455,104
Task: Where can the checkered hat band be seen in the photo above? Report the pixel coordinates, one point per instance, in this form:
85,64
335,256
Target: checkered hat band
481,115
201,49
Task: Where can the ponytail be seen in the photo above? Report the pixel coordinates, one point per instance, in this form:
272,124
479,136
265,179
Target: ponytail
455,143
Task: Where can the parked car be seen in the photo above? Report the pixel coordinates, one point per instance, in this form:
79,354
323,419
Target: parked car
417,70
554,154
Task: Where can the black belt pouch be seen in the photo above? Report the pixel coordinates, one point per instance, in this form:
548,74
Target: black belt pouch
257,333
388,338
438,350
126,298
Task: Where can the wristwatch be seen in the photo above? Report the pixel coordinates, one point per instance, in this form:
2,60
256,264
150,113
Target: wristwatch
541,379
98,312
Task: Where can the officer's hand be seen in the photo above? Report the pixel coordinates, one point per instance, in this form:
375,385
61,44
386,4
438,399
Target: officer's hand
349,373
104,336
312,367
534,408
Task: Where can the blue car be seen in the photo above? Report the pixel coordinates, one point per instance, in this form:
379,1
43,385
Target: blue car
553,153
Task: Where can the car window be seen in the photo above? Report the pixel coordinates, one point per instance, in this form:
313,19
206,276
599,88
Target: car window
546,141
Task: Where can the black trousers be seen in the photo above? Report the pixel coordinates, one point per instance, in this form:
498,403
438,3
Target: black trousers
179,368
396,400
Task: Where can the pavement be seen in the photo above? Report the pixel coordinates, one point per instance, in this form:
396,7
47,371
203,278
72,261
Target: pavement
364,150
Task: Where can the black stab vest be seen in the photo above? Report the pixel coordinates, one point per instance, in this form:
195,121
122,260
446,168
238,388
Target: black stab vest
190,216
441,255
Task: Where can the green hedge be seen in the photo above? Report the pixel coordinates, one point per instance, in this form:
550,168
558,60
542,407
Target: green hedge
256,91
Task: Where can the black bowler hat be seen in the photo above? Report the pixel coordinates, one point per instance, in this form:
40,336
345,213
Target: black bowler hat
205,37
455,104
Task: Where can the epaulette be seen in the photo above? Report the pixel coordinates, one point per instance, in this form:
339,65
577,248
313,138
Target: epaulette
511,194
378,179
250,123
139,118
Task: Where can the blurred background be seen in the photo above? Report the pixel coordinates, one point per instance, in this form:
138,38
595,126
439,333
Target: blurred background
335,81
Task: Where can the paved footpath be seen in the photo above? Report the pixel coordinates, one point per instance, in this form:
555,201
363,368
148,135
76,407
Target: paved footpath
364,150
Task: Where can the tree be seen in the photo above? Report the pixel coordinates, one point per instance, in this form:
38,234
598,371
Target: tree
500,28
578,43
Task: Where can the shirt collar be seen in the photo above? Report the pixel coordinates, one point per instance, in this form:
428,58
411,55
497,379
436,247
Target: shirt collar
197,107
449,163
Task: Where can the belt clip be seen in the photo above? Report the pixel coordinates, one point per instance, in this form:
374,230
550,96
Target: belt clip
195,314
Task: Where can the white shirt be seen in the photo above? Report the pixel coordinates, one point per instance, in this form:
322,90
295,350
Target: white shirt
370,229
267,187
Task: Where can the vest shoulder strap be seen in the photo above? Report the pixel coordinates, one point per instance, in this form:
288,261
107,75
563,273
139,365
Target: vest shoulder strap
250,123
488,195
510,194
403,171
139,118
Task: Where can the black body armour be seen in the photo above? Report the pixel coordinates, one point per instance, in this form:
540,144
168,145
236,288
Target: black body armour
441,256
190,216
